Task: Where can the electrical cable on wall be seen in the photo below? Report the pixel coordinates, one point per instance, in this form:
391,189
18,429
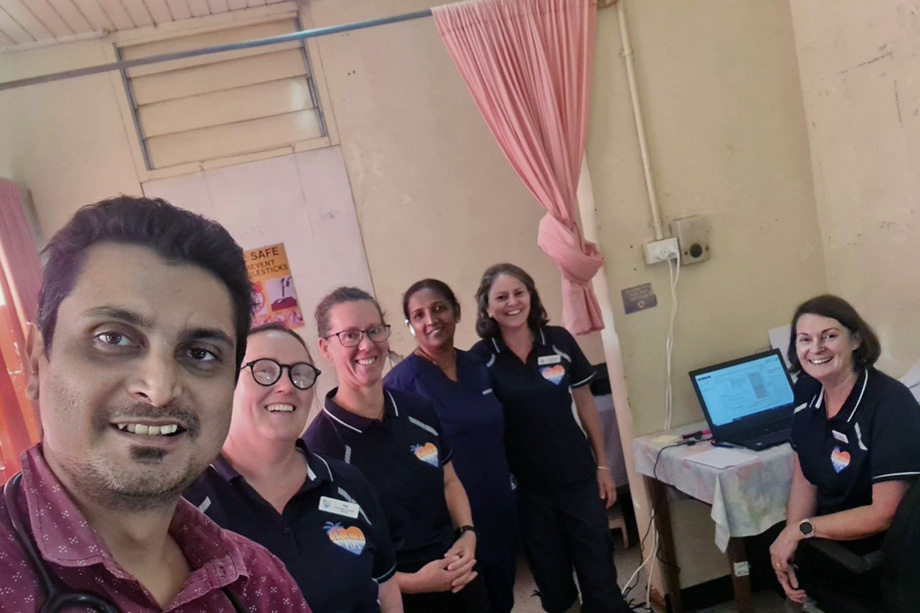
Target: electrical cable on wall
674,277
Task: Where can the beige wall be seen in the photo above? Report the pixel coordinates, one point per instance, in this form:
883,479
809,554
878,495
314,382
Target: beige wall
858,65
434,195
718,83
65,140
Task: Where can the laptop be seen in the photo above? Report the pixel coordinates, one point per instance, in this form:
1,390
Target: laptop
747,402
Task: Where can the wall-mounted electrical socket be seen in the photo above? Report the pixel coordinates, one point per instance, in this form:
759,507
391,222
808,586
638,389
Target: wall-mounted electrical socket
660,251
693,235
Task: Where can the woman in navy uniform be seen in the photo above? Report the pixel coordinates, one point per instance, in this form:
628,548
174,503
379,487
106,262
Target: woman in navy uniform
319,515
396,440
457,383
564,484
856,436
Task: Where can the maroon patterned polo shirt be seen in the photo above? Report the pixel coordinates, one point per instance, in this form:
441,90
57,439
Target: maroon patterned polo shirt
73,552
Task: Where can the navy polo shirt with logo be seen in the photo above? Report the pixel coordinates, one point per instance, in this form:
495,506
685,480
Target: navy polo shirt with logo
403,458
332,535
546,446
875,437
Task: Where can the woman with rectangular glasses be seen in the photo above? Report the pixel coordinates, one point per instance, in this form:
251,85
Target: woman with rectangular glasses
396,440
318,514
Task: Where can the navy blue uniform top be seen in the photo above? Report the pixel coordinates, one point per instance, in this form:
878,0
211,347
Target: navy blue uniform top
874,437
403,458
337,553
546,447
473,422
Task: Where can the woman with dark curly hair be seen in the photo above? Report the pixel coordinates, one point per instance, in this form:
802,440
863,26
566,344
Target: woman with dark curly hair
563,481
855,433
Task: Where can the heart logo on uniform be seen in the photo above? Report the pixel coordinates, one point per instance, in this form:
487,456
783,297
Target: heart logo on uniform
427,453
350,539
840,459
553,374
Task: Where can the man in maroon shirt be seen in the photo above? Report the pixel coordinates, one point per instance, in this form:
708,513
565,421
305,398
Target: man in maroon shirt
141,328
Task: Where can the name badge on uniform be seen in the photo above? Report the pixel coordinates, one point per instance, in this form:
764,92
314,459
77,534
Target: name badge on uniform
840,436
339,507
548,359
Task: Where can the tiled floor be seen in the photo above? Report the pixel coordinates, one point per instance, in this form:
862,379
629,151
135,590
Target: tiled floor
626,563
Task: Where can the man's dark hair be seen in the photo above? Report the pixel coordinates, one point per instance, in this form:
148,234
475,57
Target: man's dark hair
485,325
837,308
174,234
435,285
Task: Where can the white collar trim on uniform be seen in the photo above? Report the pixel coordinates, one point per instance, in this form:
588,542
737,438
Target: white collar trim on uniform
395,408
329,470
861,392
819,399
325,410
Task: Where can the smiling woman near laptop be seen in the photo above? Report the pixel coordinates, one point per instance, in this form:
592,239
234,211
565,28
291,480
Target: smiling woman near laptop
855,433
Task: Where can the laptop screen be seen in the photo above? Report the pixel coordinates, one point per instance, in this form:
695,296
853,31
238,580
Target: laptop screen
742,388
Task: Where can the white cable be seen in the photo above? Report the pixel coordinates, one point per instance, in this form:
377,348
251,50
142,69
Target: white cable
669,345
651,554
642,565
648,585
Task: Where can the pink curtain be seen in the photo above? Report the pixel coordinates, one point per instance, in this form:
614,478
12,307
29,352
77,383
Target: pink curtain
20,279
18,253
528,64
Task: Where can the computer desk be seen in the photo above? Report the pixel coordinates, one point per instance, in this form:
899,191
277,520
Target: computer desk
746,499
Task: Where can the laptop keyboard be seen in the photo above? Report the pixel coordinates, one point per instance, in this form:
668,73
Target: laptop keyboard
767,439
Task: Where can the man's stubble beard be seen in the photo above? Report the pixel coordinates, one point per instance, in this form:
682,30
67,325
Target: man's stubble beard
142,485
137,488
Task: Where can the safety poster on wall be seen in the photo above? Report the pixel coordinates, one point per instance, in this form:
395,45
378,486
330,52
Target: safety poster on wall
273,287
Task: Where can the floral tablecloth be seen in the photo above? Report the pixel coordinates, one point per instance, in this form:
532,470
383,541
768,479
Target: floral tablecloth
746,499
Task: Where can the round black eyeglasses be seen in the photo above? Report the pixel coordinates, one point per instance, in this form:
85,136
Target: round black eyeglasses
266,371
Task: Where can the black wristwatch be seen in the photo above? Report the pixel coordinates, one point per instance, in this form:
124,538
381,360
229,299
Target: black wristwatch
806,528
463,529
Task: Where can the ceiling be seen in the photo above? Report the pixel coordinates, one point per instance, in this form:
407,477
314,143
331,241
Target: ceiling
29,21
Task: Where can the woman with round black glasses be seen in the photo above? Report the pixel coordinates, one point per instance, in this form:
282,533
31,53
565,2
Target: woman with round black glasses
319,515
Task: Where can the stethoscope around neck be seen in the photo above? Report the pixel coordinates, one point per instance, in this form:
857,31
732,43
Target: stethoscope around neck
57,596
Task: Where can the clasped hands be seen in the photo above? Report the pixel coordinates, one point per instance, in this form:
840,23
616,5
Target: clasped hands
453,571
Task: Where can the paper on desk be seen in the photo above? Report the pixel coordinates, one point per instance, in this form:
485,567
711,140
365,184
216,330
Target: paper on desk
665,439
722,457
